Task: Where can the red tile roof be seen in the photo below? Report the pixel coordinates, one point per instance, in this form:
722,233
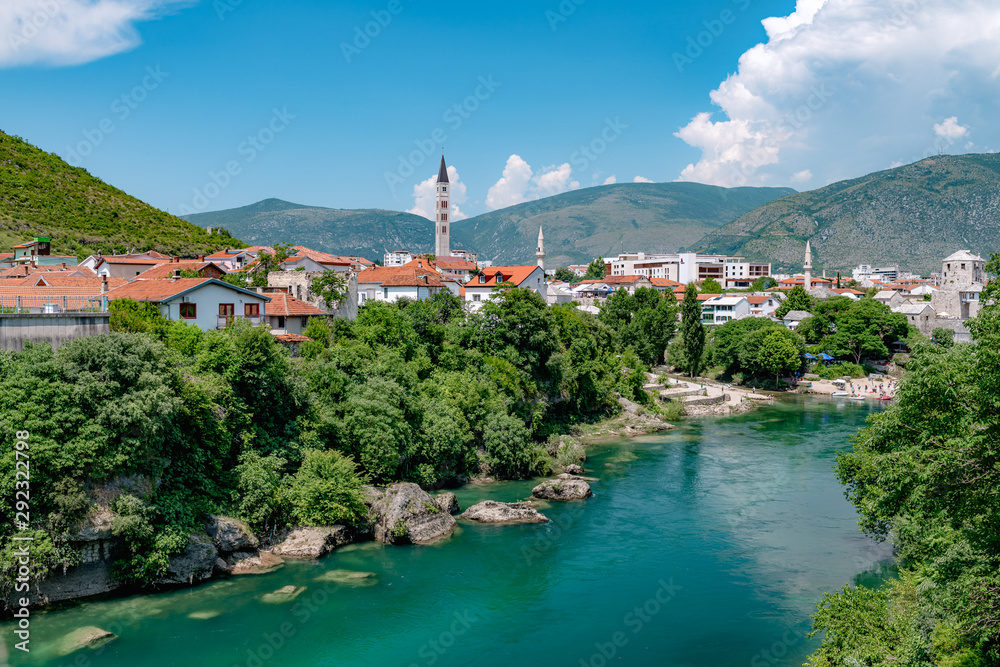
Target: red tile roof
134,259
317,256
379,274
449,265
286,305
66,280
292,338
509,274
757,300
166,269
414,278
665,282
155,290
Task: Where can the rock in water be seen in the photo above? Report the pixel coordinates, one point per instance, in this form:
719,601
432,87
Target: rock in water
574,469
195,564
405,514
312,541
230,534
566,487
252,562
349,578
284,594
447,502
87,637
491,511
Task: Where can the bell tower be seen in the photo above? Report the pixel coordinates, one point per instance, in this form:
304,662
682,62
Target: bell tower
442,206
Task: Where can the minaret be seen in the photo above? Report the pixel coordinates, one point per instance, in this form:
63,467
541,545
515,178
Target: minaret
442,238
808,267
540,252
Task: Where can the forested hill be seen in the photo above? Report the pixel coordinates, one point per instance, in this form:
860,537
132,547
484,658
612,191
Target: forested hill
41,195
913,216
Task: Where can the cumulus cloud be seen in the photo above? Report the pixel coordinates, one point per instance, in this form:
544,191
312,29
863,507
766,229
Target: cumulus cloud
641,179
72,32
841,87
801,176
950,130
425,196
519,183
611,180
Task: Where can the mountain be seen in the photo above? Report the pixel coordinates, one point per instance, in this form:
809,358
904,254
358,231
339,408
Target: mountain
41,195
578,225
913,216
360,232
583,224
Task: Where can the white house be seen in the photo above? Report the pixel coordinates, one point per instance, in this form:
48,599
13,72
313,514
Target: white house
722,309
206,302
481,287
287,315
919,315
794,317
764,305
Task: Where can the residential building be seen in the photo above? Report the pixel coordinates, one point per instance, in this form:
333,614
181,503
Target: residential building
398,258
455,267
890,298
598,287
287,315
481,288
175,266
37,251
793,317
314,261
126,266
883,274
722,309
205,302
922,316
237,259
764,305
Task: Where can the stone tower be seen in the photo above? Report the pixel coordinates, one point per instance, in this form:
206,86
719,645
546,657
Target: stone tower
442,237
808,267
540,251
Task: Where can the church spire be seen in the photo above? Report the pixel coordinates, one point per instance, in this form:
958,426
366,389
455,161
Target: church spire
443,171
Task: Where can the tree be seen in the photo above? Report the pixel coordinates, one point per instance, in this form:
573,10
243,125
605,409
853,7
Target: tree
256,274
866,329
729,339
130,316
564,274
763,283
772,350
326,490
692,332
331,286
596,270
943,337
711,286
797,299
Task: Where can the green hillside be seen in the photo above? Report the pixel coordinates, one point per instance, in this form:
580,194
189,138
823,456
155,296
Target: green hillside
913,216
579,225
362,232
583,224
41,195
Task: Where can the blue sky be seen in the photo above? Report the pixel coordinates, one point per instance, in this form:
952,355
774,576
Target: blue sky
196,106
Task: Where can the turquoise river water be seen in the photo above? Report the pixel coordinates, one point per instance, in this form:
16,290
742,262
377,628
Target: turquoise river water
708,546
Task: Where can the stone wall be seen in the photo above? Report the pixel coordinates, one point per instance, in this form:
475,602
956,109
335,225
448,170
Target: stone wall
57,328
91,577
962,334
298,284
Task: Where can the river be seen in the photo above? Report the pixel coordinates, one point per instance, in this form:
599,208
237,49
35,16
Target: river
708,545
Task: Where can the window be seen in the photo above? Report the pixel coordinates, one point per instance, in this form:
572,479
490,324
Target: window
444,218
963,267
475,297
251,310
189,311
281,321
226,310
444,188
444,204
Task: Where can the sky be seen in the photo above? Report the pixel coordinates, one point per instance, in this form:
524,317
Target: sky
199,106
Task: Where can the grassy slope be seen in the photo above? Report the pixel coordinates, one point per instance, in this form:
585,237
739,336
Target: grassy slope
913,216
41,195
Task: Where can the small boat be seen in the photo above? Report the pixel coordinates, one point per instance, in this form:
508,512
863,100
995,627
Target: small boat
841,393
884,398
855,397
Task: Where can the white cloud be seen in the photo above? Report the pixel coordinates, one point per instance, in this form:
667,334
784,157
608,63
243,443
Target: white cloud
641,179
950,130
72,32
801,176
425,196
519,183
842,87
611,180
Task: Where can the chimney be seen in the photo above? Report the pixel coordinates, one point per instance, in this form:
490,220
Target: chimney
175,259
201,258
177,275
64,266
104,284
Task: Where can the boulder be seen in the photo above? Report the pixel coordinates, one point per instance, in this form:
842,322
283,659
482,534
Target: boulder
349,578
195,564
629,406
406,514
565,487
230,534
492,511
283,594
574,469
87,637
447,502
312,541
252,562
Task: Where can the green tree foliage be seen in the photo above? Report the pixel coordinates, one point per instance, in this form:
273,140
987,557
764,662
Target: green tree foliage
943,337
771,350
866,329
824,318
326,490
510,453
565,274
130,316
257,493
331,286
692,333
924,474
711,286
596,270
797,299
645,321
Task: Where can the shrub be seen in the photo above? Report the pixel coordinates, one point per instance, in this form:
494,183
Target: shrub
326,490
510,452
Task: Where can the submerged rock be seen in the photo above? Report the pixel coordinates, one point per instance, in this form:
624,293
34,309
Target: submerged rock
230,534
90,637
195,564
349,578
406,514
565,487
447,502
204,614
312,541
252,562
492,511
574,469
283,594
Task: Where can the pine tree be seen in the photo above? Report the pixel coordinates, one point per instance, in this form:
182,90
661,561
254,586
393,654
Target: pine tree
692,331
